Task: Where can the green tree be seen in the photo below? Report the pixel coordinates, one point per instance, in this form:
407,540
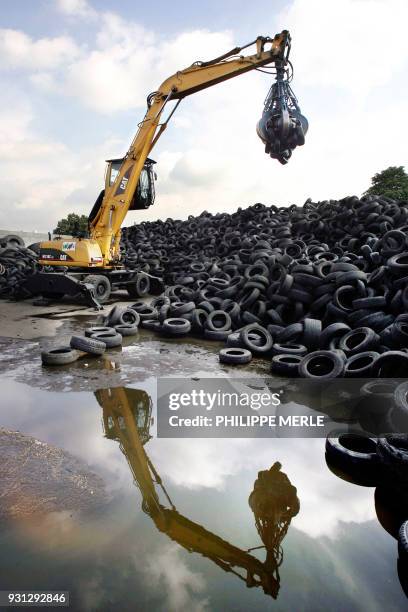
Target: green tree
73,225
391,182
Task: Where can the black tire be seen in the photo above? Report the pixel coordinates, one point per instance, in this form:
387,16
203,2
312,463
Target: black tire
354,452
210,334
152,324
322,364
403,540
361,365
88,345
62,355
393,451
312,330
178,309
128,316
120,315
12,240
287,365
334,330
126,330
198,320
140,287
112,318
102,286
401,397
160,301
391,364
218,320
235,355
89,331
176,326
265,343
289,348
359,340
109,338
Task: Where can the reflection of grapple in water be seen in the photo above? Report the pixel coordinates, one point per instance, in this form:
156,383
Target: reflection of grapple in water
282,126
274,503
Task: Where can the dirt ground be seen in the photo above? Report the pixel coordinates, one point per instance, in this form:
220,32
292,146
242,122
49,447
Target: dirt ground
25,321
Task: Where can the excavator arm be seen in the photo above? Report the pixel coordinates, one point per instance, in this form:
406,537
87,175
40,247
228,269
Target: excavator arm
108,218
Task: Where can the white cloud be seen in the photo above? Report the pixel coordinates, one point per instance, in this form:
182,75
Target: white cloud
43,178
129,61
76,8
349,44
18,50
183,588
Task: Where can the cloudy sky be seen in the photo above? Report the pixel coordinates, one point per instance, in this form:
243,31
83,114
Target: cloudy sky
75,75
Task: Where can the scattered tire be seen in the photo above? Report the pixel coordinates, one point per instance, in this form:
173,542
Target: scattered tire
59,356
88,345
176,326
286,365
321,364
110,339
262,345
235,356
89,331
210,334
126,329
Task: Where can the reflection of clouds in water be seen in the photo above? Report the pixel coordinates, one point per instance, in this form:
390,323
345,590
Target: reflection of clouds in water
73,421
181,585
325,500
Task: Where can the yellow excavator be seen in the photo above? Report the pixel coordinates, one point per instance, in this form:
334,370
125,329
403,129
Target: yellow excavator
127,418
91,266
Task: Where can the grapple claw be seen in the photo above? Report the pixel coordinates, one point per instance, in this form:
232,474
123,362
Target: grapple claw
282,126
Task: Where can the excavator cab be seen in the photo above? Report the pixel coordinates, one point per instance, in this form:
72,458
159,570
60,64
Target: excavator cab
145,192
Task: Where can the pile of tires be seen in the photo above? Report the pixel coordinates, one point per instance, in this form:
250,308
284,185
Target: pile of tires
325,284
16,263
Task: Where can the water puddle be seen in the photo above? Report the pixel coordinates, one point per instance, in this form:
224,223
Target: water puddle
127,521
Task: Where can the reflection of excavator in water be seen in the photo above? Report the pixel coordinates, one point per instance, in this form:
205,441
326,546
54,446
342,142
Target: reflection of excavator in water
127,419
91,265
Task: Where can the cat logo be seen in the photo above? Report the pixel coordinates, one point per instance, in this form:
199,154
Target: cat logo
124,183
68,246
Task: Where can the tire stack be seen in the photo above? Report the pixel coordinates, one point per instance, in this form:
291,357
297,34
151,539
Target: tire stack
16,263
321,289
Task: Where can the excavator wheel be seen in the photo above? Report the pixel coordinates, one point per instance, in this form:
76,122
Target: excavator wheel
102,286
140,287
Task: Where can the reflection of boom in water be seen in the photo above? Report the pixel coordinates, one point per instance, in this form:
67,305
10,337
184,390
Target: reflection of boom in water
127,419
